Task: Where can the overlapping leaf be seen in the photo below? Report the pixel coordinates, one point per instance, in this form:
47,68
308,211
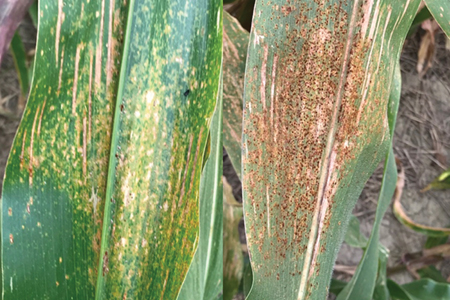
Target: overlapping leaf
235,44
204,280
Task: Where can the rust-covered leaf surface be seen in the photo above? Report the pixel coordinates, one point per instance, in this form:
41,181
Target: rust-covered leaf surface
317,86
100,198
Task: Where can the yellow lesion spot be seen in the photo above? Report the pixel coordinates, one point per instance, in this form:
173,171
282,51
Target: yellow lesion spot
38,224
60,260
149,96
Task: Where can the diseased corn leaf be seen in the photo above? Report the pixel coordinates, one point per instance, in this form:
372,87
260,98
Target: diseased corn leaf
362,284
403,218
233,259
440,9
315,128
100,199
423,289
204,278
235,44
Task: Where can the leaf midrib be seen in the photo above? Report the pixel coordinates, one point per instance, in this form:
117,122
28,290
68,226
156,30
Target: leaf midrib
112,158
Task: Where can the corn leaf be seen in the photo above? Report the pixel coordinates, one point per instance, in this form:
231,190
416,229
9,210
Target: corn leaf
381,291
441,182
403,218
100,198
33,12
423,289
235,44
315,127
441,13
353,236
362,284
204,278
432,273
20,62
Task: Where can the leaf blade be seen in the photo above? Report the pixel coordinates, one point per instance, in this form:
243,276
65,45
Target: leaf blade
295,172
58,186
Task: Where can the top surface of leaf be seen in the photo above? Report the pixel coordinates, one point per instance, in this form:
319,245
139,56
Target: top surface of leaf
315,127
100,198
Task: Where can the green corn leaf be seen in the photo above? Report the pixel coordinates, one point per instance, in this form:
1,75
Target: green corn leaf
204,278
20,62
432,273
33,12
100,198
315,128
423,289
435,241
381,291
336,286
235,44
440,9
247,280
353,236
396,291
233,259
